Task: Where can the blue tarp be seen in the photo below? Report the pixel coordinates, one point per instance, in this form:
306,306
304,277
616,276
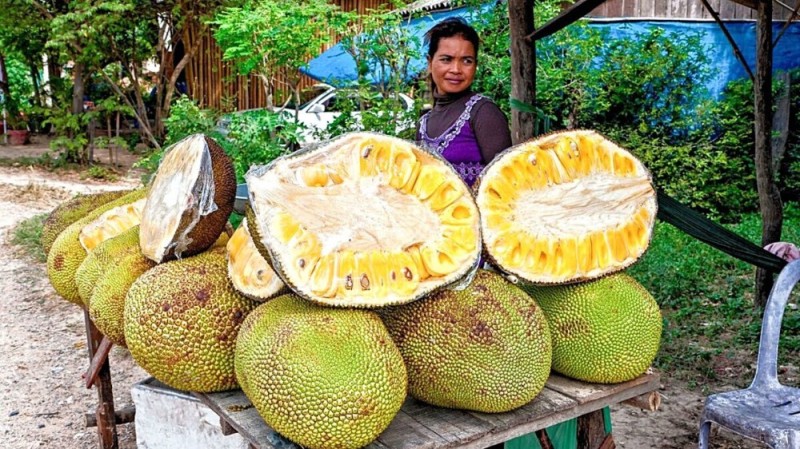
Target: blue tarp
337,67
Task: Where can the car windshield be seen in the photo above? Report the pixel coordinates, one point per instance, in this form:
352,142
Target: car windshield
307,95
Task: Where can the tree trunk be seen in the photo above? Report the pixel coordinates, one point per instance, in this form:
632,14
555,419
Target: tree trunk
523,68
77,88
769,197
4,86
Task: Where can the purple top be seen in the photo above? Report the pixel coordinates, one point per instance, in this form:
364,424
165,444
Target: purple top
457,143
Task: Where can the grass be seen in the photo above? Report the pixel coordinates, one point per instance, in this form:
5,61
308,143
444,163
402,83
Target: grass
711,328
28,236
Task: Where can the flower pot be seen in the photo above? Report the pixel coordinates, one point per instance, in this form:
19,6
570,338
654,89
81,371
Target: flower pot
18,136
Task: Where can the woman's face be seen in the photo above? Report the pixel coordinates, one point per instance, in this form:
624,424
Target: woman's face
453,65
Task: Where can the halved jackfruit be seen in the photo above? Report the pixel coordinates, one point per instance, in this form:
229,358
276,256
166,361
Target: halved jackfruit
566,207
190,200
111,224
249,272
364,220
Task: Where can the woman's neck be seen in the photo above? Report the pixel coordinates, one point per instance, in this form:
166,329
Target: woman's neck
441,100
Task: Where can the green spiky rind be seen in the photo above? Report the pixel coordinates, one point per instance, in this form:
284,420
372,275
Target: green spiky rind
485,348
181,320
604,331
107,303
71,211
101,258
323,377
67,254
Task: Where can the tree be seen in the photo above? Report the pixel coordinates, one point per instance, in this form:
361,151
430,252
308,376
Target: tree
268,37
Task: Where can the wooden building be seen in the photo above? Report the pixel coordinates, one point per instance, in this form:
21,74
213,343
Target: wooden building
687,9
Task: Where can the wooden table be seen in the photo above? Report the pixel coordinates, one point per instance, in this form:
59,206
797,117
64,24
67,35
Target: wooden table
419,425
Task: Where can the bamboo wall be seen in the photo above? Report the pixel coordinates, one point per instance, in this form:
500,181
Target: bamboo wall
212,82
686,9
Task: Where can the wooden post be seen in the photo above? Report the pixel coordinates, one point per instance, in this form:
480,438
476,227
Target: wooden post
769,197
106,419
592,432
523,68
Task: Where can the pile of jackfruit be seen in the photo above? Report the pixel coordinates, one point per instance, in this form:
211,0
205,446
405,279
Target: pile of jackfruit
366,270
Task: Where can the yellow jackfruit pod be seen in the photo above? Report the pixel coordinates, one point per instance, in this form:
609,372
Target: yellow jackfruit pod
566,207
398,224
111,224
248,271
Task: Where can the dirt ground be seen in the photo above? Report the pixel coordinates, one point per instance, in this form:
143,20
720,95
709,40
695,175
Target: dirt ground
42,339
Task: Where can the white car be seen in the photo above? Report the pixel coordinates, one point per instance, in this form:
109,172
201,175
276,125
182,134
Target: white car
327,103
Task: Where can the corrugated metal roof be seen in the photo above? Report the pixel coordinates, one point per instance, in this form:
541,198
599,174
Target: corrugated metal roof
426,5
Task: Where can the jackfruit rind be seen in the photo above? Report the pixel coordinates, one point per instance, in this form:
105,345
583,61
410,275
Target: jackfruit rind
567,207
486,348
323,377
107,303
71,211
111,223
604,331
181,320
103,257
67,254
364,220
190,200
249,272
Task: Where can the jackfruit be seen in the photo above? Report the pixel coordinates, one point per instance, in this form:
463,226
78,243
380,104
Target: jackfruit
485,348
323,377
181,320
101,258
604,331
111,224
190,200
71,211
67,253
566,207
107,303
248,270
364,221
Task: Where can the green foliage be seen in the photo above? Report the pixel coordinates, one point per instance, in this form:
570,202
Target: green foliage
100,173
28,235
706,298
21,87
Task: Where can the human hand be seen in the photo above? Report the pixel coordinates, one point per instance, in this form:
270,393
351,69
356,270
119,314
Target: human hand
784,250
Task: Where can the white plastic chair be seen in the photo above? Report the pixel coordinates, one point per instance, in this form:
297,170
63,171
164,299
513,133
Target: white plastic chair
766,411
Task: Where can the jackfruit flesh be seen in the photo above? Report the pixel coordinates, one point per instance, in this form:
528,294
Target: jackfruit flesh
365,220
71,211
323,377
604,331
190,200
485,348
566,207
111,224
248,270
67,253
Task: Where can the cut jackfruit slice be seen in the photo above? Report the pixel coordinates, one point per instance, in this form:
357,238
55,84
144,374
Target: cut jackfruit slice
190,200
567,207
111,224
396,224
249,272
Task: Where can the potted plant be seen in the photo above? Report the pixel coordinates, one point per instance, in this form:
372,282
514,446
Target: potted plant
18,133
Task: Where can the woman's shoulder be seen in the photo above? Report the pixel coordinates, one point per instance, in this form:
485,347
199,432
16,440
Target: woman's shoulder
486,106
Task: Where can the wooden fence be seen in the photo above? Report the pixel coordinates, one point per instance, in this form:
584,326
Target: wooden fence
215,84
686,9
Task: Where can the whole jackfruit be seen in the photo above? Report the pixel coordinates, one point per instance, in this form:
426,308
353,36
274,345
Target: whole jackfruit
323,377
71,211
67,253
365,220
103,257
181,321
604,331
107,303
485,348
566,207
190,200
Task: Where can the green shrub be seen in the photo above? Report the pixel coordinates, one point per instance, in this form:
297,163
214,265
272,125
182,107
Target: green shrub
28,235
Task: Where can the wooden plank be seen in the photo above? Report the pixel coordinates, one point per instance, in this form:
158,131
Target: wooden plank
677,9
727,10
568,16
452,426
591,430
614,8
646,8
629,8
661,8
121,416
582,392
98,360
106,426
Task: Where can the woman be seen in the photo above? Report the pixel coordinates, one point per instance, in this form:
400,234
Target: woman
466,128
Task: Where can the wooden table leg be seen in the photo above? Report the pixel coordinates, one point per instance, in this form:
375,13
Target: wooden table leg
106,422
592,432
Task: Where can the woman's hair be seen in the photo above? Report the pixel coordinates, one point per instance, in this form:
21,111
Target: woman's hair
452,26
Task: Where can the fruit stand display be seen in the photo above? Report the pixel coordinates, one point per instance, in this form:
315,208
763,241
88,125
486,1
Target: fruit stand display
370,292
